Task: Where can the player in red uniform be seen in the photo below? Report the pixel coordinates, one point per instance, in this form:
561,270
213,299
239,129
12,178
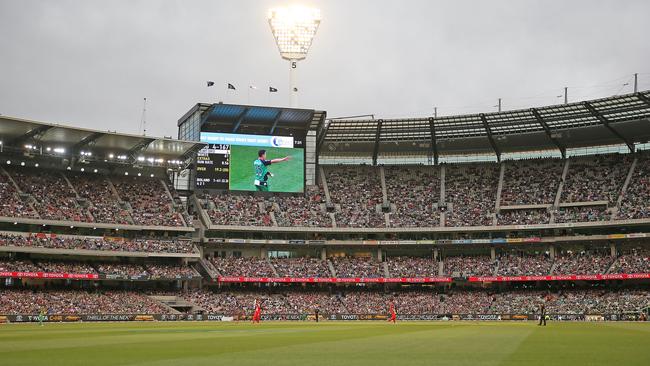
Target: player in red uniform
393,314
258,312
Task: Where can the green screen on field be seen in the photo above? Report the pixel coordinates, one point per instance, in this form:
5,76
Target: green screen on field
288,176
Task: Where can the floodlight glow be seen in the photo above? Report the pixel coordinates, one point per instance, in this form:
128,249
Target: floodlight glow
294,29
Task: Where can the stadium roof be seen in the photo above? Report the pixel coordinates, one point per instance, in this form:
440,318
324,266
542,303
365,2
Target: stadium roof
614,120
21,135
221,117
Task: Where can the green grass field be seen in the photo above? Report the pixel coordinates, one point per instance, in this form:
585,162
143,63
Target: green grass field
289,176
326,343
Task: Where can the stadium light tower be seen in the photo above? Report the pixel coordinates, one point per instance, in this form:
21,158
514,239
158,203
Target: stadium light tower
294,29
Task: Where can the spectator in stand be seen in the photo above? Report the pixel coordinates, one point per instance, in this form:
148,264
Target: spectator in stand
633,261
102,202
357,192
581,214
95,243
582,263
301,267
150,201
636,204
411,267
596,178
243,267
51,195
238,210
531,182
412,191
524,265
11,204
302,211
349,267
77,302
173,271
523,217
466,266
471,190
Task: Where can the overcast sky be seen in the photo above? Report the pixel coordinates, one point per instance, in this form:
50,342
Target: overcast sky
90,63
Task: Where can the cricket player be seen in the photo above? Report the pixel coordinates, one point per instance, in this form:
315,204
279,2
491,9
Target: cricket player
261,173
258,312
41,317
393,314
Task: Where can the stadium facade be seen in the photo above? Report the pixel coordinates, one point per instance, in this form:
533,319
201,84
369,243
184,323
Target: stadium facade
468,217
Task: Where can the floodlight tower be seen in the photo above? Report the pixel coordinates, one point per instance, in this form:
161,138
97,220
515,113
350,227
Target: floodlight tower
294,29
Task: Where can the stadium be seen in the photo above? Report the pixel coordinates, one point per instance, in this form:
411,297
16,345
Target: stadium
264,233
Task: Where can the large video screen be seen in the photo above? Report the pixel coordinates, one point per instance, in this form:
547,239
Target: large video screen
241,162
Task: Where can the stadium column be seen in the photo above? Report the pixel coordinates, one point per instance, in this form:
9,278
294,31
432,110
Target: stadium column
493,254
323,253
551,251
612,250
264,253
379,255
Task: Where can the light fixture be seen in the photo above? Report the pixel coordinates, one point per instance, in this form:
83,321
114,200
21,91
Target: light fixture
139,175
126,173
36,165
22,163
95,171
294,29
83,169
111,156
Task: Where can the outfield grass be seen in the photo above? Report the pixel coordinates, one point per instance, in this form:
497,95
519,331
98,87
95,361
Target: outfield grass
331,343
289,176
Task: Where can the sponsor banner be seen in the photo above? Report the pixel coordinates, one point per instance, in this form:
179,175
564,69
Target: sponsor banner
389,242
514,240
425,241
407,242
236,241
532,240
616,236
334,280
636,235
461,241
595,277
257,241
316,242
370,242
481,241
297,242
499,241
73,276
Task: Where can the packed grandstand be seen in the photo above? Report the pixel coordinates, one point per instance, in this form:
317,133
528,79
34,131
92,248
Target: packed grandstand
124,233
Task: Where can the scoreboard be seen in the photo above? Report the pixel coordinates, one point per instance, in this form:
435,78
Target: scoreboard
226,162
213,167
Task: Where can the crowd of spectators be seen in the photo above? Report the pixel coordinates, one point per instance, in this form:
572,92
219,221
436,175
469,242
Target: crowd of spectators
65,267
635,261
471,190
581,214
524,265
76,302
466,266
636,201
243,267
523,217
531,182
596,178
348,267
53,197
575,301
306,210
149,200
301,267
18,266
95,243
412,267
412,192
11,204
581,263
164,270
238,210
357,191
102,202
121,269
